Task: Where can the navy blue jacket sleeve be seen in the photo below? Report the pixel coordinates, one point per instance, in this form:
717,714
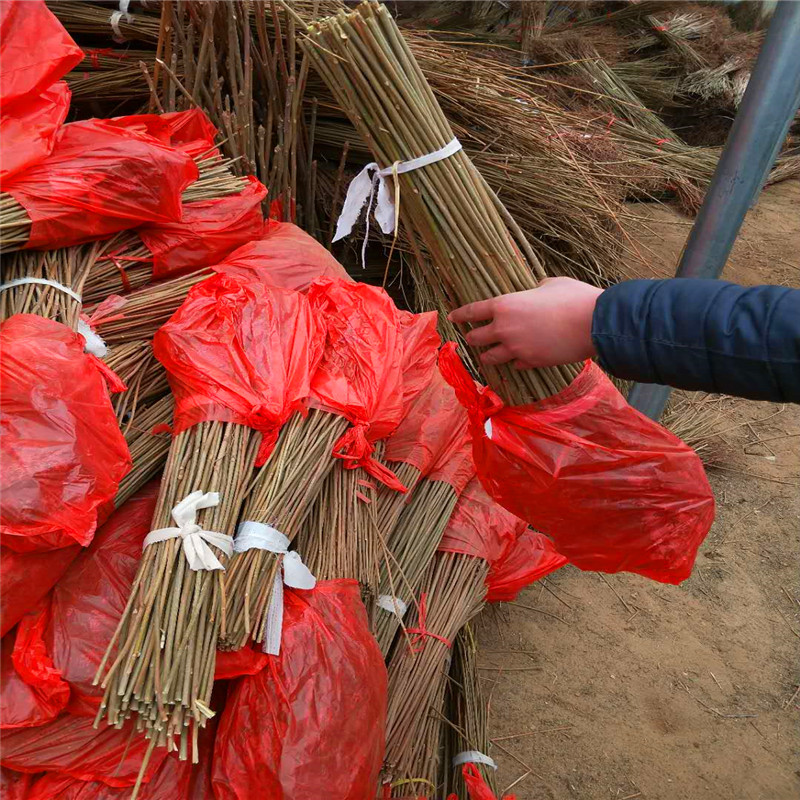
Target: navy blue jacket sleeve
702,334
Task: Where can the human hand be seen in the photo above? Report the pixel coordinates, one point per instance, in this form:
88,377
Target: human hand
543,327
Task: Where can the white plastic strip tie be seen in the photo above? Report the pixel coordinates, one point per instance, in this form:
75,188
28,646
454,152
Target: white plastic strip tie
94,342
295,574
41,282
116,17
394,605
196,541
362,189
473,757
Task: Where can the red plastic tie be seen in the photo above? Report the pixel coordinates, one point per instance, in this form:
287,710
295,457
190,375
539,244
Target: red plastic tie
418,644
162,427
95,53
659,142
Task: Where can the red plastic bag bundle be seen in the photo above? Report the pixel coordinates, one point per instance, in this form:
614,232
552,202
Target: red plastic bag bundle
63,453
311,725
14,785
190,131
32,690
28,131
88,601
72,746
360,375
479,527
209,230
285,256
433,436
421,344
100,179
615,490
35,51
532,557
240,351
25,578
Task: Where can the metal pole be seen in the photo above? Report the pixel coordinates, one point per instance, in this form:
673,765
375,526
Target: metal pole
759,129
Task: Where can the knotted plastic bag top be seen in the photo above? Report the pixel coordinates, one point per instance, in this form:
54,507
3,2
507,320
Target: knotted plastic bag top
531,557
479,527
98,180
283,255
28,131
312,723
190,131
240,351
63,452
209,231
615,490
360,374
35,51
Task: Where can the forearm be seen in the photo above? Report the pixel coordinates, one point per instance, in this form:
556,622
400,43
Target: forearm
702,334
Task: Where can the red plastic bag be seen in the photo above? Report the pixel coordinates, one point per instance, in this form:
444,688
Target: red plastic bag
87,603
35,50
28,131
63,453
360,375
14,785
433,435
25,578
172,781
236,663
209,230
532,557
476,785
190,131
98,180
479,527
72,746
421,344
240,351
32,690
614,489
312,725
284,256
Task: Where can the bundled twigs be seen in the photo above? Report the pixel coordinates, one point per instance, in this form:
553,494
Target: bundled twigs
453,593
281,495
375,78
411,544
149,442
160,662
467,734
147,309
47,282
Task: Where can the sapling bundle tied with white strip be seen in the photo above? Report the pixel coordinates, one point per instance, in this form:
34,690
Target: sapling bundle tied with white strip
345,522
586,451
363,376
99,179
433,444
453,591
224,364
359,369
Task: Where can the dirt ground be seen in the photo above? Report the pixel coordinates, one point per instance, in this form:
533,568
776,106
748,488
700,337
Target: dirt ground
617,687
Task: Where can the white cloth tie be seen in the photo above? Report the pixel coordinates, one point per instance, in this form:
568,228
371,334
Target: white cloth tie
473,757
116,17
94,342
41,282
362,189
196,541
394,605
294,573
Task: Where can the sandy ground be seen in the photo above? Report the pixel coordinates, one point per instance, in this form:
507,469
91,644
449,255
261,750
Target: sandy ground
617,687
